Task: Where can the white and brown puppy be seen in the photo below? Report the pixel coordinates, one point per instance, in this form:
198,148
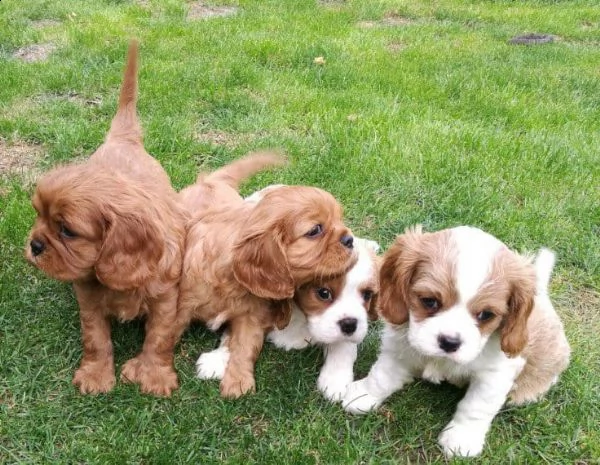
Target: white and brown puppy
461,307
334,313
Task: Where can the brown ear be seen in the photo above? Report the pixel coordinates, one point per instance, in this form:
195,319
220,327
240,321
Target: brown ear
373,310
260,265
283,312
520,305
131,250
399,264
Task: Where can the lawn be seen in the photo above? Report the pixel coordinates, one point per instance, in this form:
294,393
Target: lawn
407,111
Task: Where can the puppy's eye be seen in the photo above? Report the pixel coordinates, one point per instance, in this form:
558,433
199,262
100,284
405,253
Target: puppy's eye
324,294
485,315
367,294
430,303
66,232
315,231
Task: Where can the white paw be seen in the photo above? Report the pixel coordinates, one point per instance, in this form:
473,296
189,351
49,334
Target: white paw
286,341
211,365
462,440
333,384
357,399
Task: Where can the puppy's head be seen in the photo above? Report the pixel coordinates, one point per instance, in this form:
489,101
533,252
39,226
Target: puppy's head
456,288
291,236
90,224
338,309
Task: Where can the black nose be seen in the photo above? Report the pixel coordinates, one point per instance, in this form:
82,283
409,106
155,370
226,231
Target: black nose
347,240
448,343
37,247
348,325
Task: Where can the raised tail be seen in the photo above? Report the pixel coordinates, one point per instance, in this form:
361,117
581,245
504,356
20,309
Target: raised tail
126,124
544,263
239,170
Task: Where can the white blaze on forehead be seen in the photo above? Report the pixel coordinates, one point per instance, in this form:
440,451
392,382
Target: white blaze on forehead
476,252
362,272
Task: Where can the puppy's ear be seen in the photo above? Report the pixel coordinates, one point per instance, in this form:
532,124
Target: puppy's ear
283,312
260,264
399,264
132,247
514,334
373,310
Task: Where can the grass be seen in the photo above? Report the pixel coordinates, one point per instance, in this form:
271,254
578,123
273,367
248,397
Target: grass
421,113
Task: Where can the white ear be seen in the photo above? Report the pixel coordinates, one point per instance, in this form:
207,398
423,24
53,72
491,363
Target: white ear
258,195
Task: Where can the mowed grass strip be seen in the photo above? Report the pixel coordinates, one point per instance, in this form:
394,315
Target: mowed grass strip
414,112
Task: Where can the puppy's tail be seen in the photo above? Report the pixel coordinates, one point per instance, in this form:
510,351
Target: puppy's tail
125,124
544,263
239,170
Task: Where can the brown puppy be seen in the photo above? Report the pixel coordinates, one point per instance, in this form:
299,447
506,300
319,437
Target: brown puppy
243,261
113,227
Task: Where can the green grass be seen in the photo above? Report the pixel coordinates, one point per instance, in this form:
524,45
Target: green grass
436,120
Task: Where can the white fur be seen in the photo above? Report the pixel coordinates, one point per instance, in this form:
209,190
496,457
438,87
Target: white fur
340,350
411,350
211,365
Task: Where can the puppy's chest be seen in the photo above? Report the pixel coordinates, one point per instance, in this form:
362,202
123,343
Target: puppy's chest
125,306
437,371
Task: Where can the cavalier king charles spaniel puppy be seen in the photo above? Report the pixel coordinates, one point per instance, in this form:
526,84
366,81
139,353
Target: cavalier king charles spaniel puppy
114,228
459,306
244,261
334,312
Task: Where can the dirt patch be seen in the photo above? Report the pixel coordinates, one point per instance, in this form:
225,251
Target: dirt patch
390,19
35,52
44,23
395,47
199,10
19,159
224,139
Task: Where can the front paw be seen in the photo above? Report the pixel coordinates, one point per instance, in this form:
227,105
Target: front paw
211,365
233,387
358,400
333,385
94,378
462,440
153,378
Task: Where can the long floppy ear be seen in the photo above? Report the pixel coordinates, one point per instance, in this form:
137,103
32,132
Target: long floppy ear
399,264
373,310
283,312
260,264
514,334
132,247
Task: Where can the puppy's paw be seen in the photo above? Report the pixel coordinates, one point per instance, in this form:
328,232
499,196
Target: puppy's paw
462,440
94,378
358,400
285,340
233,387
154,378
211,365
333,384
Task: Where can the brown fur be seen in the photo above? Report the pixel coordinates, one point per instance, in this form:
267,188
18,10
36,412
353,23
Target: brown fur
243,261
125,252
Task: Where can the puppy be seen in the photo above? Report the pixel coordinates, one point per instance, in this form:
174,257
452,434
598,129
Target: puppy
334,313
243,261
461,307
113,227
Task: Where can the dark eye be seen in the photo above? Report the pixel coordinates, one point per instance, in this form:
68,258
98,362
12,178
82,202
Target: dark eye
485,315
430,303
367,294
66,232
316,230
324,294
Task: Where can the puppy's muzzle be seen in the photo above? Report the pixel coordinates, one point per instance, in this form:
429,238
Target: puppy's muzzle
449,344
347,241
348,325
37,247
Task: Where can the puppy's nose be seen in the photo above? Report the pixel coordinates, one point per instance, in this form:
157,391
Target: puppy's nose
37,247
348,325
347,241
449,344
